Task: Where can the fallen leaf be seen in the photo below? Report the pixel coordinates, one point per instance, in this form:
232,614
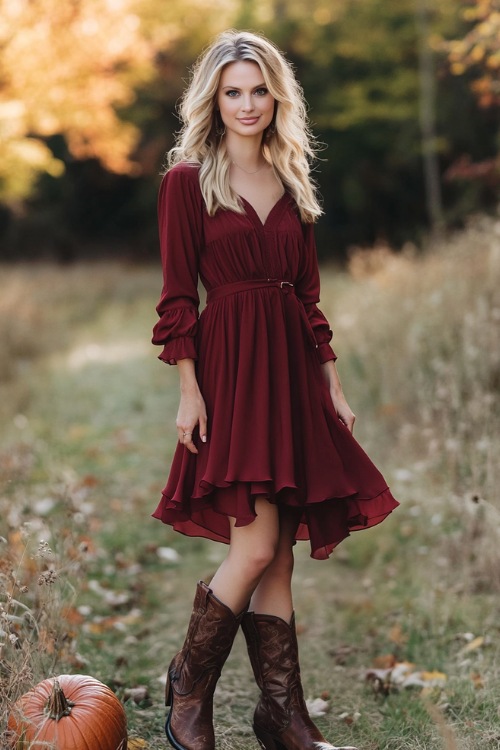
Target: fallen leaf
425,680
136,743
89,480
477,680
349,718
169,554
402,675
385,661
138,694
397,636
73,616
433,676
317,707
474,645
341,653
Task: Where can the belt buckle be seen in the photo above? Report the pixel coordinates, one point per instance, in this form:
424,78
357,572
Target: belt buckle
285,283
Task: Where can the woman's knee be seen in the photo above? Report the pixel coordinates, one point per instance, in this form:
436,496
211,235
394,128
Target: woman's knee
258,557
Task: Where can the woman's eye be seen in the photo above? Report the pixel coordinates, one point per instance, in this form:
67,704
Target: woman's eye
261,92
232,93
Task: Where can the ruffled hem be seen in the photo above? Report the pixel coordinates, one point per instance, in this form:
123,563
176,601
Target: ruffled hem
181,348
325,523
177,330
326,353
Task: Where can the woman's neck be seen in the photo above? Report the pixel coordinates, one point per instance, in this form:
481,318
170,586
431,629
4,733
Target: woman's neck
246,153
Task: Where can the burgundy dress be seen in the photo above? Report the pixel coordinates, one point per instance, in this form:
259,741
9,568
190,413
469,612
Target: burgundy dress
258,345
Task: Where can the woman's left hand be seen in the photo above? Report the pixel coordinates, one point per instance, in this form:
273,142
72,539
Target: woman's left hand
340,405
343,409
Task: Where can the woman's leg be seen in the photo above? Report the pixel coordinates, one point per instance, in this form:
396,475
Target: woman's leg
273,594
281,719
251,551
217,613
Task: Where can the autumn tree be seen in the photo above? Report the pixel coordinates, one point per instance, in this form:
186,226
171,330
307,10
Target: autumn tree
66,67
476,56
479,50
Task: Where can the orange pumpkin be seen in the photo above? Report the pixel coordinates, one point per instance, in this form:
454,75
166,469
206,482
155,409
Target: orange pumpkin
69,712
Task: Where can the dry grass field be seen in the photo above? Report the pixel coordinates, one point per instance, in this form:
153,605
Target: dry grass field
89,583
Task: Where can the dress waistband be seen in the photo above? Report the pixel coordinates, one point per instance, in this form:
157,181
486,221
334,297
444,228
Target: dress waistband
244,286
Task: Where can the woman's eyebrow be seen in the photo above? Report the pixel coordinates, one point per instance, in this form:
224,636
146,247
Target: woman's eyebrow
237,88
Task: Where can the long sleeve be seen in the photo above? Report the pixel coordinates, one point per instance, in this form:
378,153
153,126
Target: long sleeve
180,209
307,288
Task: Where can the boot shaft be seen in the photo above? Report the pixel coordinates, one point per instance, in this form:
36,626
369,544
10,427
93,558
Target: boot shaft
209,639
273,651
193,673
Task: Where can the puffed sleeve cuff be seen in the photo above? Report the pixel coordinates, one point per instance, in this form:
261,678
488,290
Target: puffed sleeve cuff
322,333
182,348
325,353
177,330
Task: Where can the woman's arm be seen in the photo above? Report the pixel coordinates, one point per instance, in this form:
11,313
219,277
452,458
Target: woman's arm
180,230
340,404
192,411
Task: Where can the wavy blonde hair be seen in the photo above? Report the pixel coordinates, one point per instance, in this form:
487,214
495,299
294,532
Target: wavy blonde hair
287,144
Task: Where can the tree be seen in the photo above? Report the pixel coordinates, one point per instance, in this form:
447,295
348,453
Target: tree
66,67
479,50
476,56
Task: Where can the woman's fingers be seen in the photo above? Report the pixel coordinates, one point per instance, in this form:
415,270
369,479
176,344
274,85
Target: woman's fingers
185,435
188,443
343,410
349,423
203,428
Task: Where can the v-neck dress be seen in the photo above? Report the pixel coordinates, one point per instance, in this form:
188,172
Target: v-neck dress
258,345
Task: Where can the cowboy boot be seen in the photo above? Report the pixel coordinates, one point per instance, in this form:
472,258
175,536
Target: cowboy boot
281,719
194,671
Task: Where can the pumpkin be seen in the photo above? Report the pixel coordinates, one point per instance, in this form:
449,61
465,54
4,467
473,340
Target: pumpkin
69,712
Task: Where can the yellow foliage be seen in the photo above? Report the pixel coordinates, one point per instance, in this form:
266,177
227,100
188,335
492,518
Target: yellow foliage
493,62
64,70
480,48
477,53
458,68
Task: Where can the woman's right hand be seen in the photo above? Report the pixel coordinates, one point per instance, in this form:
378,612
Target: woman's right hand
192,413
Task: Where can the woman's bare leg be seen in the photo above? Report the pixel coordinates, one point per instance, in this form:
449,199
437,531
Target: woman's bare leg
273,594
251,551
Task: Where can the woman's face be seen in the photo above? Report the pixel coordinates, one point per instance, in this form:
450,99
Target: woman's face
245,104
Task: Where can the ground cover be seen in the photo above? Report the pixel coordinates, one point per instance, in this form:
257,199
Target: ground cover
90,583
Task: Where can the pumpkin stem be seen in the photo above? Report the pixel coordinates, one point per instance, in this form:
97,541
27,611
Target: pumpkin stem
58,705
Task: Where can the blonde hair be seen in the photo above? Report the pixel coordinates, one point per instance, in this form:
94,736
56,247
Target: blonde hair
287,145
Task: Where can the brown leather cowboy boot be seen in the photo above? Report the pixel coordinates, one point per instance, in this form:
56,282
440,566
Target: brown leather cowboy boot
194,671
281,720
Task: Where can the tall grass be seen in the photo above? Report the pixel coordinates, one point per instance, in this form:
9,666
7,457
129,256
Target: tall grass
37,598
422,336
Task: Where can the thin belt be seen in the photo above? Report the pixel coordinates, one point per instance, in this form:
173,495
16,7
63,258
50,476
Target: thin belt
244,286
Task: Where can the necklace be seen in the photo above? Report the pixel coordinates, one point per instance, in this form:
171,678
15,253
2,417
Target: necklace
246,170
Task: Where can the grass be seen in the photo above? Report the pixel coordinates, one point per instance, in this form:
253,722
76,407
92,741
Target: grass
89,583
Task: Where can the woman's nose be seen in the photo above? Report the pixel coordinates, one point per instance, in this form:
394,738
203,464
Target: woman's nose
247,104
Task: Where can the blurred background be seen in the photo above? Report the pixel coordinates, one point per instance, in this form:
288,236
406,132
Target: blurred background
403,94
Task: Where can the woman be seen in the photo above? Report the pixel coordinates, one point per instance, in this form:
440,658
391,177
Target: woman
266,454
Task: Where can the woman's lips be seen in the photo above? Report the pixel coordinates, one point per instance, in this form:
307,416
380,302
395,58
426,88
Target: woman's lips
248,120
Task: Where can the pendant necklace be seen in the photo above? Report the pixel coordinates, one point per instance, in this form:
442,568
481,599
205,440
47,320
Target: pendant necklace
246,170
